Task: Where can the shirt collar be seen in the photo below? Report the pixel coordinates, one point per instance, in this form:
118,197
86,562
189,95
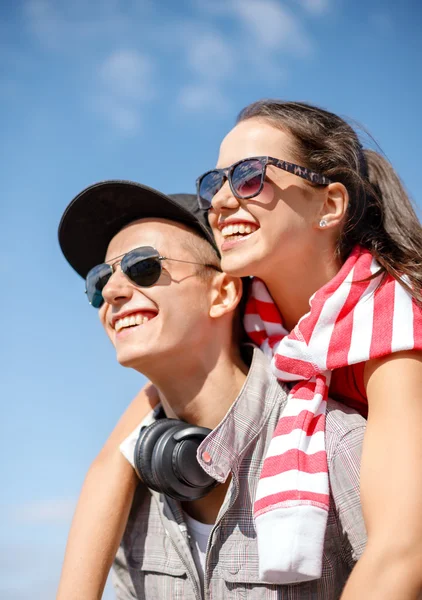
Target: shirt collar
221,451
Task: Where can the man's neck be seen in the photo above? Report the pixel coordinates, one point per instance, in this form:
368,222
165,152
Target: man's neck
200,389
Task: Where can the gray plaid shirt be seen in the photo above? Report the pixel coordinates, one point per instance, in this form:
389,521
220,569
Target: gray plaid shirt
155,561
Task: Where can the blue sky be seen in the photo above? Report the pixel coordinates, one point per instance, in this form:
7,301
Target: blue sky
143,90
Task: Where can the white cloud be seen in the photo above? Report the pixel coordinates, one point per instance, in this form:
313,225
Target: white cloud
260,34
33,571
223,43
53,28
55,510
124,118
127,74
29,570
91,35
202,97
316,7
124,87
71,26
42,18
273,26
210,55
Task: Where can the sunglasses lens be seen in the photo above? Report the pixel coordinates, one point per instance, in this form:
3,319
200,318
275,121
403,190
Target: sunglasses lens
247,178
209,186
95,283
141,269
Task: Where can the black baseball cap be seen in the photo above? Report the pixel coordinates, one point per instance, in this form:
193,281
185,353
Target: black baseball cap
101,210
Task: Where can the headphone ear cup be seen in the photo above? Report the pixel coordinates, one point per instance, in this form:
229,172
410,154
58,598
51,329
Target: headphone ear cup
165,459
144,450
176,468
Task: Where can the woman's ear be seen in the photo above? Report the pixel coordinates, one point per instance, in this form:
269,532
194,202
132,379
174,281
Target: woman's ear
334,207
226,295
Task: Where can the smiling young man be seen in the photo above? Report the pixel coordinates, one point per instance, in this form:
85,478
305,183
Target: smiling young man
152,270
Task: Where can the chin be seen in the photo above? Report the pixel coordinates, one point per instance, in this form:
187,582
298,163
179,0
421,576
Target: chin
239,265
145,360
132,358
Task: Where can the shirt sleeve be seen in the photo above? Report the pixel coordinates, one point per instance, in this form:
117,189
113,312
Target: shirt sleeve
127,447
345,489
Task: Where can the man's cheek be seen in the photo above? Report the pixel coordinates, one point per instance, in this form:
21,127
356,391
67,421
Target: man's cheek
102,314
112,336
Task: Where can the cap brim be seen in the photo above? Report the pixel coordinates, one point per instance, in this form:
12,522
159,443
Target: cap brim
95,215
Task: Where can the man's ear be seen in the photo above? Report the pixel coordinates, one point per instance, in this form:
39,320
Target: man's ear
226,295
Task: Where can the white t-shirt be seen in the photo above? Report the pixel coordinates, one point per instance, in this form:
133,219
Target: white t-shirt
199,534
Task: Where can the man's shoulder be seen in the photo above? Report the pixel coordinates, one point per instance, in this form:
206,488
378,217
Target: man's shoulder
343,418
343,424
260,380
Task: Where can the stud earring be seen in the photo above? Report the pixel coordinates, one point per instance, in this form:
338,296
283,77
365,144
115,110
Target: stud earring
323,223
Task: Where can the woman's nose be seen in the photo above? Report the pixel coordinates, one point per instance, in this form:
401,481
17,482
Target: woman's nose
224,199
118,288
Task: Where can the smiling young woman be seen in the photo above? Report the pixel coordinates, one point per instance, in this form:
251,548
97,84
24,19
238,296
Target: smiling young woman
334,238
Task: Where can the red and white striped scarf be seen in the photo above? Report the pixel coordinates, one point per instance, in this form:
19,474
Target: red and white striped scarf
350,321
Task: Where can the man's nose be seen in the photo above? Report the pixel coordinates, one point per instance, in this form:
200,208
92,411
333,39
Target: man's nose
224,199
118,288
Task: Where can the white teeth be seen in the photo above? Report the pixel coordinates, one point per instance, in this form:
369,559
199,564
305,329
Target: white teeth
131,321
241,229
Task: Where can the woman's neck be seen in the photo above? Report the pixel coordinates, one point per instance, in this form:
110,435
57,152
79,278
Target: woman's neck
292,285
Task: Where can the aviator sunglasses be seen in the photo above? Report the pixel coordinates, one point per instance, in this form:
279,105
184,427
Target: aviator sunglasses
141,265
246,178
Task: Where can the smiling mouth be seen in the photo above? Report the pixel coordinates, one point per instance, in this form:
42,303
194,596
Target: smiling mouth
135,320
238,231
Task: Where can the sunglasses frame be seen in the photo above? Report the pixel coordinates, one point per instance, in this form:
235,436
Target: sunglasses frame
227,173
154,254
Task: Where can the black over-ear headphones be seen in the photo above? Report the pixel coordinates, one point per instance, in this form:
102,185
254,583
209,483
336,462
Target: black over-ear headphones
165,458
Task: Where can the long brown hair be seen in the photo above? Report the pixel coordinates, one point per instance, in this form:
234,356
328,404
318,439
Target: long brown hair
380,216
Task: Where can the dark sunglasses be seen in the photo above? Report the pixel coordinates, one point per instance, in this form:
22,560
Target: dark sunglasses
141,265
246,178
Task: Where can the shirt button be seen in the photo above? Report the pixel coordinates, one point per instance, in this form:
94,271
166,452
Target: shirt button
206,457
